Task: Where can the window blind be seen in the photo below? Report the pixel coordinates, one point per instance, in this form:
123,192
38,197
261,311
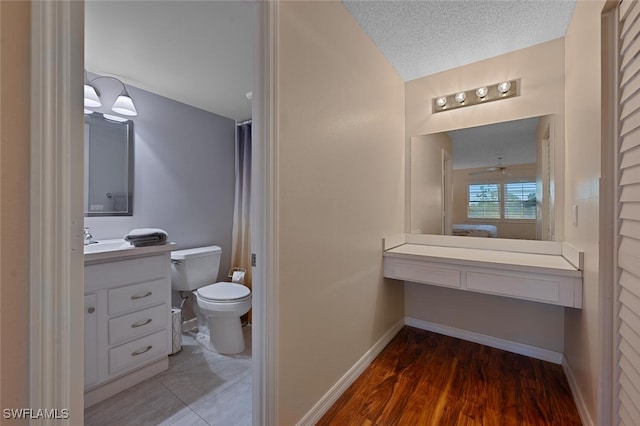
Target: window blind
520,200
484,201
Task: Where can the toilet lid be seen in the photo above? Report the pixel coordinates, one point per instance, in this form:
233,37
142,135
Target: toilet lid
226,292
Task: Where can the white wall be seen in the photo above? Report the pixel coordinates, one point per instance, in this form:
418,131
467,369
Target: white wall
541,70
184,173
583,144
340,159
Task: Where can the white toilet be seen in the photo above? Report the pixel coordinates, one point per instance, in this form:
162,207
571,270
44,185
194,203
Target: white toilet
219,304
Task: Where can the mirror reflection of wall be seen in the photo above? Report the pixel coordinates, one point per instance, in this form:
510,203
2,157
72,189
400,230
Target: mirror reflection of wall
108,174
498,184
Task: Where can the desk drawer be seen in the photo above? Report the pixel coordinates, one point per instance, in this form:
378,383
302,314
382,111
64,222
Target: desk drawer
138,352
138,296
138,323
521,287
426,274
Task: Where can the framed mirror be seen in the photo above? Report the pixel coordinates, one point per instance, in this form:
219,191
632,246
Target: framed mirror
494,181
108,166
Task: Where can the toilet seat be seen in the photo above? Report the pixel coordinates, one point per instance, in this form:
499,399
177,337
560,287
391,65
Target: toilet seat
224,292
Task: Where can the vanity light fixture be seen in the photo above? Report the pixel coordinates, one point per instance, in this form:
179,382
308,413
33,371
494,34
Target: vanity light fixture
91,95
123,105
504,87
441,101
115,118
483,94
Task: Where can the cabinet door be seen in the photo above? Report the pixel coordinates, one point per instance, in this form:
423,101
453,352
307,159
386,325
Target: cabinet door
90,340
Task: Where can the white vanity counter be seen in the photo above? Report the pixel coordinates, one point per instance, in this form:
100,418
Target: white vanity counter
105,250
127,296
541,271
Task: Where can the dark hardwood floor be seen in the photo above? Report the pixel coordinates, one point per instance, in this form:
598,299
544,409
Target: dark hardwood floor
424,378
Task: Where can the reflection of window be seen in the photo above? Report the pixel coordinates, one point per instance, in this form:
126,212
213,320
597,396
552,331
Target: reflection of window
520,200
484,201
510,201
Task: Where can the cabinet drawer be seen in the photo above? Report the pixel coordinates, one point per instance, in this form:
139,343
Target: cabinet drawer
410,271
138,352
138,296
123,272
514,286
138,323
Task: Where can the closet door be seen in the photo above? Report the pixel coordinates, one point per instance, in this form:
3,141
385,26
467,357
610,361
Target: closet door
628,288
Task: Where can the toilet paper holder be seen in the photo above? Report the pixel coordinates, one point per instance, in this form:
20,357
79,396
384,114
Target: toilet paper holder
236,269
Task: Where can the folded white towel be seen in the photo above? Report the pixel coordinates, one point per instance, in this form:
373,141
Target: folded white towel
146,237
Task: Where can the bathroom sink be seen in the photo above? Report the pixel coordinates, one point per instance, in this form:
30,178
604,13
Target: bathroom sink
99,246
102,250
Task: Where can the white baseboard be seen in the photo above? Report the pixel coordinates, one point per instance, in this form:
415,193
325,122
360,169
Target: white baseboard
345,381
483,339
577,396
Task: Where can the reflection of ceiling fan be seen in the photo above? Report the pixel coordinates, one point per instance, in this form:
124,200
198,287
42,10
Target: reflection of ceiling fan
499,169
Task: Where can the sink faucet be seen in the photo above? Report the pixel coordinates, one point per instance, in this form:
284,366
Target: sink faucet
88,238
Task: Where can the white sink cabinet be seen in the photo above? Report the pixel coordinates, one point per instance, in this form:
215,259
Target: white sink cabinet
127,336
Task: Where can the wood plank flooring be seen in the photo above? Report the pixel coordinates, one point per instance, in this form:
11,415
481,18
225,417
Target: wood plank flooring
424,378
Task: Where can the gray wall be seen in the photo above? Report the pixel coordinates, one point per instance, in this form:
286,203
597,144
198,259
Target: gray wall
184,173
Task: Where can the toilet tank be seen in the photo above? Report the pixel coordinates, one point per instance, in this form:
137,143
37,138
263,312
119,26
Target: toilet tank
194,268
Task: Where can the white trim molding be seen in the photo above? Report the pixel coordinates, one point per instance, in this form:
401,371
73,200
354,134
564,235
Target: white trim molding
264,218
483,339
322,406
56,364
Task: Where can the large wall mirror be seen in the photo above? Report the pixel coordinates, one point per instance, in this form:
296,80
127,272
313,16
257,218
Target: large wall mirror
493,181
108,167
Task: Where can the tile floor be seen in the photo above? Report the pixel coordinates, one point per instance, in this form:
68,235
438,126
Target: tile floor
199,388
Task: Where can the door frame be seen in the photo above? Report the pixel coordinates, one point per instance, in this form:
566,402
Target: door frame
609,231
56,355
447,193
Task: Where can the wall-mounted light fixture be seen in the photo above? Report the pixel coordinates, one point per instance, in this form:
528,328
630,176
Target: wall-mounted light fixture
123,104
115,118
483,94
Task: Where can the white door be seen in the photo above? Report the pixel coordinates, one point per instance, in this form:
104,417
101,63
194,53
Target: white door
627,379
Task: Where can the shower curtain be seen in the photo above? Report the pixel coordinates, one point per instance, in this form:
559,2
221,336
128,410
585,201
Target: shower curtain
241,239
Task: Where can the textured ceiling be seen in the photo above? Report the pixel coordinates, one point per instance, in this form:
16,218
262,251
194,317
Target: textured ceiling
420,38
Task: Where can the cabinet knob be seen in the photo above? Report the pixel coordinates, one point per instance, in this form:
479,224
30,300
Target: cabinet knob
91,310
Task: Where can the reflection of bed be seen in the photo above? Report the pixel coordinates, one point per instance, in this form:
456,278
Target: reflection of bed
466,230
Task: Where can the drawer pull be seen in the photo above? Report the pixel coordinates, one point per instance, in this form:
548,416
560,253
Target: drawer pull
141,323
136,297
91,310
141,351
